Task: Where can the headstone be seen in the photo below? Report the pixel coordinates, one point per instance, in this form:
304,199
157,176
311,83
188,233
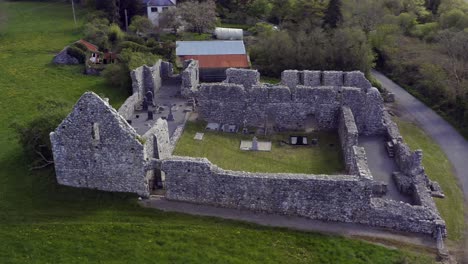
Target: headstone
170,117
150,115
254,143
149,97
145,104
199,136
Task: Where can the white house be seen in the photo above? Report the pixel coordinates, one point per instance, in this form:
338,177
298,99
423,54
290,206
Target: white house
154,9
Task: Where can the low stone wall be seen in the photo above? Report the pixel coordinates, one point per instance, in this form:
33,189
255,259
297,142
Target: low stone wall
128,107
344,198
190,78
334,198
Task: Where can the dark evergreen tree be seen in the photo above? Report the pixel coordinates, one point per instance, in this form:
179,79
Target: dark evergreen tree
333,16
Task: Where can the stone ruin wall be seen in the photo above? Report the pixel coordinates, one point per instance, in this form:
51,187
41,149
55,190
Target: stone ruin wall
343,198
146,78
95,148
411,178
190,78
288,107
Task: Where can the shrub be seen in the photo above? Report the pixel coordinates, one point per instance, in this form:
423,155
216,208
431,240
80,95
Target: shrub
141,25
34,135
426,31
135,47
77,53
136,39
115,34
117,75
454,19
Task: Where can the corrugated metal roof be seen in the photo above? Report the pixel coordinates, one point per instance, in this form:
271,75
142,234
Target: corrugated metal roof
220,61
90,46
216,47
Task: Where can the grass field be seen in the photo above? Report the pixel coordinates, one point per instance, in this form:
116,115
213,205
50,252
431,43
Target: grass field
41,222
223,150
438,168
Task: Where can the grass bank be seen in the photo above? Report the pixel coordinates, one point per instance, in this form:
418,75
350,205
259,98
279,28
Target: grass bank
42,222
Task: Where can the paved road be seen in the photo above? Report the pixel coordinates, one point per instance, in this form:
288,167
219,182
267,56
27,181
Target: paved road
451,142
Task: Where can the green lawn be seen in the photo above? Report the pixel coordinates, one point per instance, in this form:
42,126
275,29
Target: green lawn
438,168
223,150
41,222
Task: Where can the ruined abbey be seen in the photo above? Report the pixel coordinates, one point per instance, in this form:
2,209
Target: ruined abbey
130,149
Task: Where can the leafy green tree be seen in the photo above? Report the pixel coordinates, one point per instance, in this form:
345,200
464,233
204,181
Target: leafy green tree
115,34
199,16
333,16
455,19
141,25
259,9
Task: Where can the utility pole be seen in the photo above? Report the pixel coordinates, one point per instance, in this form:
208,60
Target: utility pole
126,20
73,8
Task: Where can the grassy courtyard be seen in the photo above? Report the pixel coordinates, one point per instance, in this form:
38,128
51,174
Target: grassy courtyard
223,150
438,168
42,222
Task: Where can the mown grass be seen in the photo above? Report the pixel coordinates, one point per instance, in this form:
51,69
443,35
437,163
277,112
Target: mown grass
223,150
438,168
42,222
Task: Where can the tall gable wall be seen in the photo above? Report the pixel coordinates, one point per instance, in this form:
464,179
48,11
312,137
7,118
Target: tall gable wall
94,147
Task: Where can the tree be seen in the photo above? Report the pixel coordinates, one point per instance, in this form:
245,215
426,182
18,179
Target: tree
366,14
141,25
333,16
199,16
259,9
171,19
34,135
133,7
115,34
111,9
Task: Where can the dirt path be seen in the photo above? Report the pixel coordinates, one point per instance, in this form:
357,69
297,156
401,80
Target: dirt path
375,235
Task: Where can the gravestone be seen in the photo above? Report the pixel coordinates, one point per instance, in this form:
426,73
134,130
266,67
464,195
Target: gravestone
145,104
149,97
170,117
150,115
254,143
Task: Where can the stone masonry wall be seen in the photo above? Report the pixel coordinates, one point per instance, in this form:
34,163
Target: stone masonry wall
246,78
344,198
157,146
278,104
348,133
146,78
94,147
128,107
335,198
190,78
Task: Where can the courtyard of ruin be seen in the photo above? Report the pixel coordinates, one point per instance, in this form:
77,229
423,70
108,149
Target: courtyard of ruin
222,149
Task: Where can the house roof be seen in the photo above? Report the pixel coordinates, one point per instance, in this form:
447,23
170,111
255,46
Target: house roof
159,2
220,61
91,47
215,47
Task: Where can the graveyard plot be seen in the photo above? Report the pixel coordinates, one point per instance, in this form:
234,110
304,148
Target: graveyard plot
223,149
